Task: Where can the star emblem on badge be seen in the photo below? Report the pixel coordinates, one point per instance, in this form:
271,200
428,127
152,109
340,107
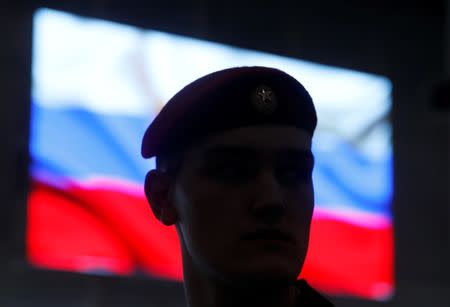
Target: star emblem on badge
264,99
265,94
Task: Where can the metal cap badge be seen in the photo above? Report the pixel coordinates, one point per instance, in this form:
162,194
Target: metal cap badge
264,100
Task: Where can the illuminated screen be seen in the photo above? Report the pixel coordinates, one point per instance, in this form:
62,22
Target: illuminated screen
97,85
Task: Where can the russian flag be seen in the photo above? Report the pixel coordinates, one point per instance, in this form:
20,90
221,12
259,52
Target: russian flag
87,211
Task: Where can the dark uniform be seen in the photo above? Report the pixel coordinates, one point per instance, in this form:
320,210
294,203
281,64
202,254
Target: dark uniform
228,99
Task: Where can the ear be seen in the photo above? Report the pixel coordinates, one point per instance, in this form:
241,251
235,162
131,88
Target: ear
157,187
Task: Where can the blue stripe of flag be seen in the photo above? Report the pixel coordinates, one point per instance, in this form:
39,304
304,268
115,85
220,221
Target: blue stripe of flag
77,143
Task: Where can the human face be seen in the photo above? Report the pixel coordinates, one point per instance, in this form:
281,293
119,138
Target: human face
244,200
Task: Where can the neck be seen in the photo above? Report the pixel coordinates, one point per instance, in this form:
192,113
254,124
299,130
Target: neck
204,291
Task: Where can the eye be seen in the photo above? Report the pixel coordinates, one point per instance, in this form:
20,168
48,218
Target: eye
229,171
293,174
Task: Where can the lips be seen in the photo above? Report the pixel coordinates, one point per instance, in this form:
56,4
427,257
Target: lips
269,235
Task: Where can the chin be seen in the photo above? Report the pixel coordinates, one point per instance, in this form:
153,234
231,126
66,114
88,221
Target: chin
266,274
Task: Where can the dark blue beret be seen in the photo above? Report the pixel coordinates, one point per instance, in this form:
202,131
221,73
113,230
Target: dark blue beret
228,99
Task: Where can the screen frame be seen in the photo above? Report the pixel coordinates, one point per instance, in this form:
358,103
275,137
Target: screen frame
16,191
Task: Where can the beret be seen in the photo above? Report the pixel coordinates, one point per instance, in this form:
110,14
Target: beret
227,99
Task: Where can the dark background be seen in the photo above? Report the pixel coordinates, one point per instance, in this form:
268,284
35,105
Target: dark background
407,41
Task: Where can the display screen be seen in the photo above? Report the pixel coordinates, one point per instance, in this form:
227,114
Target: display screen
97,85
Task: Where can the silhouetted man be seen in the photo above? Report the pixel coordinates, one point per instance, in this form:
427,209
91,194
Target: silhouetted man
233,174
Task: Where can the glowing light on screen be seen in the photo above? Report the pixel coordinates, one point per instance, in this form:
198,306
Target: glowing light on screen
96,87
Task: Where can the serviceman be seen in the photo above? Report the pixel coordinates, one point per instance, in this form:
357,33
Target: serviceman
234,175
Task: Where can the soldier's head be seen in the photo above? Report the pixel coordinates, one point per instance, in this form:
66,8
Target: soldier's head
233,173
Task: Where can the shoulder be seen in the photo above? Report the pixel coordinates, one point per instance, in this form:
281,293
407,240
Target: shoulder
309,297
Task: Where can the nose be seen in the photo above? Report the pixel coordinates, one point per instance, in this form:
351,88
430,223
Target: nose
268,204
